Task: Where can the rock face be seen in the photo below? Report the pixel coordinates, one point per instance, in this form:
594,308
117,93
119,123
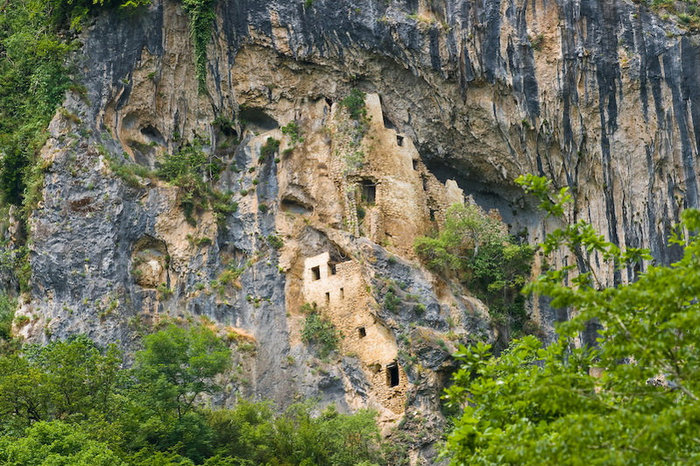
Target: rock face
462,97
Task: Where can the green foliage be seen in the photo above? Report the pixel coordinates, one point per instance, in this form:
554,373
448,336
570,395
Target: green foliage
275,241
252,432
73,13
176,366
536,44
72,403
632,399
191,169
34,76
269,149
164,292
7,315
391,301
229,277
293,130
355,104
66,379
686,11
202,16
56,443
320,332
33,80
189,161
131,173
475,249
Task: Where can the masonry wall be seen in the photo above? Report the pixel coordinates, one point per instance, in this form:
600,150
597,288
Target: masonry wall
344,298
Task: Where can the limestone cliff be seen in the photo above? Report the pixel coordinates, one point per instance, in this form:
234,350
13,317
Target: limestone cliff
462,97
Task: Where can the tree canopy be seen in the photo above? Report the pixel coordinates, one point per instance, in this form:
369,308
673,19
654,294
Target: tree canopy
72,402
475,249
630,399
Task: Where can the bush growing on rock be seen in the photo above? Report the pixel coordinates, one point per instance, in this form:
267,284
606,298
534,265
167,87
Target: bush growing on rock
475,249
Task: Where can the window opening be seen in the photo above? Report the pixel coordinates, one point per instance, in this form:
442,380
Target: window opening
316,272
415,164
342,293
432,215
369,192
328,298
425,182
362,332
399,140
392,374
331,267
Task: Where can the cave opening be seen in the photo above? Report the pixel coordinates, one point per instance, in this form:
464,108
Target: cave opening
258,117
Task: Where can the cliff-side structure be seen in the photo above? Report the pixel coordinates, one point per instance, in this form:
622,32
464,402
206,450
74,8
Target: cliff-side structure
459,98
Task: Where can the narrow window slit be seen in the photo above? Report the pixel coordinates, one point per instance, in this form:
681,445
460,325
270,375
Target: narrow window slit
392,374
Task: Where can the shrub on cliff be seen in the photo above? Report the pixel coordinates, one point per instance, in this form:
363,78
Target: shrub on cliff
320,332
475,249
355,104
634,398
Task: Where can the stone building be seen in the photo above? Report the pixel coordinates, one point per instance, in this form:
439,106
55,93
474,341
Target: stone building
341,294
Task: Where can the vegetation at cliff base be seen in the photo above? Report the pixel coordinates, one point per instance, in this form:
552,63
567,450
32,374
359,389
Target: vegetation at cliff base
633,398
73,402
474,249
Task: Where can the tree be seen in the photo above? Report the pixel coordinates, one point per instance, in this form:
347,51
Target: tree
178,365
56,443
475,249
631,399
65,379
252,434
79,375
